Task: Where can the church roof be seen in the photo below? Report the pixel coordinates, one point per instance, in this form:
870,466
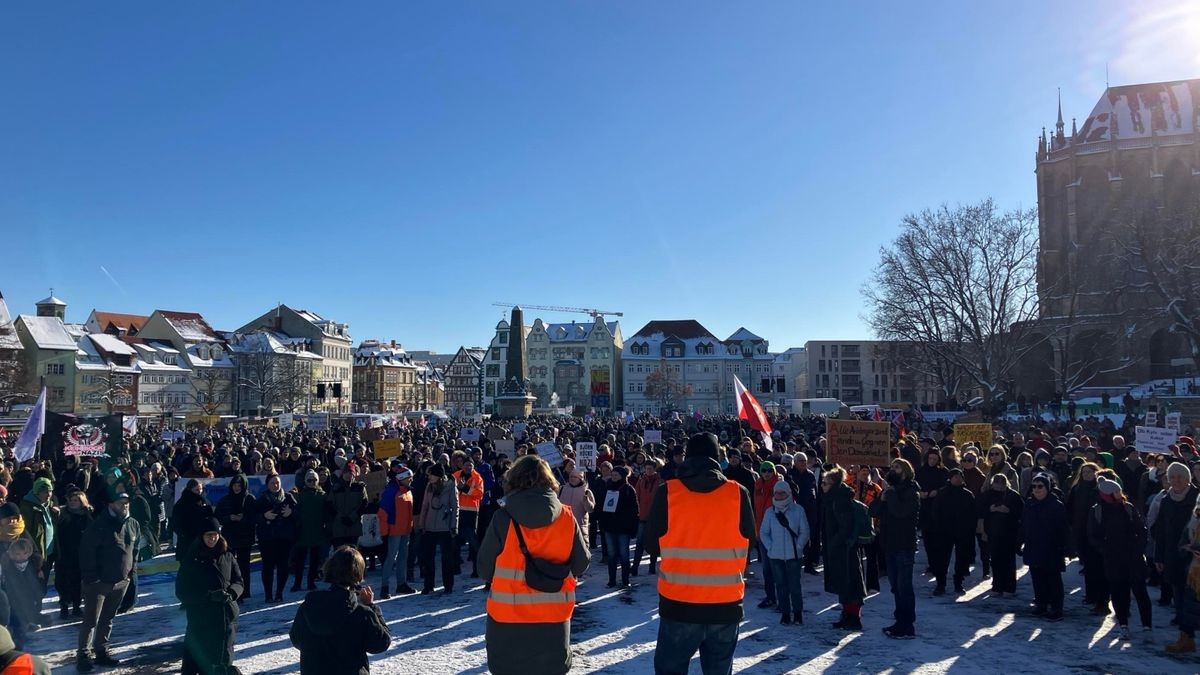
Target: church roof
1142,111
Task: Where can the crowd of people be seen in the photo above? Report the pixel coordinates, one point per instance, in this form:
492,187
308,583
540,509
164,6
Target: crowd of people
329,522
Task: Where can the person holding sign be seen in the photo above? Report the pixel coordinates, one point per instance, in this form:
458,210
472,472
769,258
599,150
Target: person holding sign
619,522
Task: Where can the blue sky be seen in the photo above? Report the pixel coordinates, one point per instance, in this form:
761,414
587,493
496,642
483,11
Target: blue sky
400,166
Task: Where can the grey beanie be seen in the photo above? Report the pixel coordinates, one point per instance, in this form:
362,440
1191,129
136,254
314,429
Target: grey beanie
1179,468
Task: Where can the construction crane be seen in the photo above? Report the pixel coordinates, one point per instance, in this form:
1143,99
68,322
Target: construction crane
553,308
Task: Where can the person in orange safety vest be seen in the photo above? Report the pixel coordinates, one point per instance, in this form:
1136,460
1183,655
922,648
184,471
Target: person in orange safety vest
529,629
701,526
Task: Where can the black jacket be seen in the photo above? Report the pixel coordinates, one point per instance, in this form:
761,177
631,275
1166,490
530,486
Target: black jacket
1173,517
108,548
953,514
239,533
279,528
189,517
897,510
1118,533
698,474
1044,531
1003,529
625,519
334,633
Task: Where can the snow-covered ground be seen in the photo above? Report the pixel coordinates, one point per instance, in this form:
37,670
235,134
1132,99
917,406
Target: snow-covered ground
615,633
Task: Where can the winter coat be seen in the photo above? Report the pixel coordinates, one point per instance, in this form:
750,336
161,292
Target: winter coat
953,514
39,522
158,493
346,501
334,633
645,487
764,494
805,490
439,509
1080,500
623,520
1014,480
208,585
107,548
1044,532
743,475
930,478
188,520
897,510
1003,530
1173,517
1118,533
843,563
239,533
313,516
399,501
24,588
279,528
582,502
527,647
139,510
703,475
68,535
975,480
775,538
469,489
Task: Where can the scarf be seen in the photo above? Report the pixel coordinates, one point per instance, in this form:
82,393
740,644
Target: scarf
782,503
11,532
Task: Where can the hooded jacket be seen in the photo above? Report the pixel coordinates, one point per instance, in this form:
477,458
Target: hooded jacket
334,633
39,518
698,474
527,647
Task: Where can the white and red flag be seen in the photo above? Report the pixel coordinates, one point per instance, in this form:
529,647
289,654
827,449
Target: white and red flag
749,409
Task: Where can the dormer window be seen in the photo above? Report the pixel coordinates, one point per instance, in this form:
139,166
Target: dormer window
202,352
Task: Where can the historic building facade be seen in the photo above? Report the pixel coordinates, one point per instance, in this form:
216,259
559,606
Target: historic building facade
1139,146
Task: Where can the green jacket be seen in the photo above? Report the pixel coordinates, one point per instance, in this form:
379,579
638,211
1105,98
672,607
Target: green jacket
315,516
39,520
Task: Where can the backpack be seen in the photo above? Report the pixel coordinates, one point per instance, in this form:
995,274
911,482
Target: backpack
862,522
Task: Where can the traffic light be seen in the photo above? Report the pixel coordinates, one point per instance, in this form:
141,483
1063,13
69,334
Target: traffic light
337,389
320,391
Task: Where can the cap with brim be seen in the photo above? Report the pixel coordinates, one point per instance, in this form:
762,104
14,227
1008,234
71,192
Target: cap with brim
121,496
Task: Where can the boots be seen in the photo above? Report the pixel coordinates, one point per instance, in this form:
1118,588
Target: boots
386,593
1186,644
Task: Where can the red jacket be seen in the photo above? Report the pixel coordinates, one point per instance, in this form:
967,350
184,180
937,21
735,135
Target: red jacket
764,496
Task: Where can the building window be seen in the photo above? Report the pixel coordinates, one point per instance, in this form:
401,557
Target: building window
54,369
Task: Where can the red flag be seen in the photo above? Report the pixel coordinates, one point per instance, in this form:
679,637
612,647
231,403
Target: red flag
3,433
878,414
898,421
748,408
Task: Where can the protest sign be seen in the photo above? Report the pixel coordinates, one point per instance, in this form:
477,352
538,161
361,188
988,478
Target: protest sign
611,499
388,447
215,488
550,453
652,436
518,430
979,434
853,442
317,422
469,435
172,435
375,482
585,455
286,419
1173,421
505,446
1155,439
495,433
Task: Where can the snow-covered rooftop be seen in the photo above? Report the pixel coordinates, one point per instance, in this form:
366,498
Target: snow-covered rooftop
1143,111
190,325
8,336
48,332
111,344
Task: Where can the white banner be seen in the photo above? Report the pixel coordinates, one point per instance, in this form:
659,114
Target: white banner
1155,439
550,453
653,436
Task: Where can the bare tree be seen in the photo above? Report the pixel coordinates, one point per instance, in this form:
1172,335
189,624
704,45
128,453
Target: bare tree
294,382
17,381
961,284
663,387
114,389
1159,249
210,390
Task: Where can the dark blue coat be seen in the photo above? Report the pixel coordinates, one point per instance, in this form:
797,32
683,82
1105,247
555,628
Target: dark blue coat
1044,526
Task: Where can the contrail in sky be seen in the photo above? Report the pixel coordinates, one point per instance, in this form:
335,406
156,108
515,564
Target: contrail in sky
115,282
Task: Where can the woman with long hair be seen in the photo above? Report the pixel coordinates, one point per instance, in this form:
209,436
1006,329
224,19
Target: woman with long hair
529,629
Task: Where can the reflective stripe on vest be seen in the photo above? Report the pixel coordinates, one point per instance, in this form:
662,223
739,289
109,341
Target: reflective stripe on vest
703,550
511,600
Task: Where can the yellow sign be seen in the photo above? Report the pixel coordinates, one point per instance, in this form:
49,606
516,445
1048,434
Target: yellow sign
979,434
854,442
388,447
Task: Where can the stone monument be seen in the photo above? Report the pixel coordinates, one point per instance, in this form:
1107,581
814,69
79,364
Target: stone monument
514,399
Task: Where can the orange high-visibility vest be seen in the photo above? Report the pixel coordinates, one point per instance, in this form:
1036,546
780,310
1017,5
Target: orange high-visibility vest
703,552
22,665
511,600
